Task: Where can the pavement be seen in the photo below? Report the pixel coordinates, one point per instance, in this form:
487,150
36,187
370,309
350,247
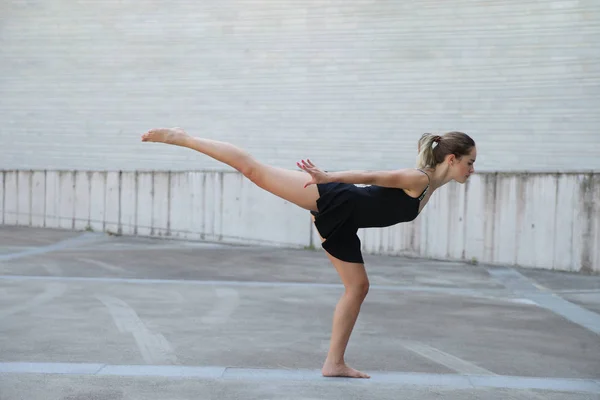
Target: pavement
85,315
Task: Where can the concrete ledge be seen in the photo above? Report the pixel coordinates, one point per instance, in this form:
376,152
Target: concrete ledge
549,221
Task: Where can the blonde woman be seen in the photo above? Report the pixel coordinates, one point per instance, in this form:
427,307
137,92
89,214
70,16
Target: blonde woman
340,208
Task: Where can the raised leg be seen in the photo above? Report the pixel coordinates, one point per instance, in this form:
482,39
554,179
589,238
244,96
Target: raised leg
356,283
285,183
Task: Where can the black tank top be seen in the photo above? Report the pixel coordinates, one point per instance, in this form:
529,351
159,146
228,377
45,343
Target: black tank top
378,206
343,208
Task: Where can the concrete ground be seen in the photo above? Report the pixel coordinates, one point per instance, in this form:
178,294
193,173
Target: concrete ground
89,316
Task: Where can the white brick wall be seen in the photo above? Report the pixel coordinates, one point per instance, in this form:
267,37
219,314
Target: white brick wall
350,84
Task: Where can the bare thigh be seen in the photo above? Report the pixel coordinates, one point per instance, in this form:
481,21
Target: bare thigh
287,184
353,275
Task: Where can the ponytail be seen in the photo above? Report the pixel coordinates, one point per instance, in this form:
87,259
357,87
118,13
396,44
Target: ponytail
433,149
426,157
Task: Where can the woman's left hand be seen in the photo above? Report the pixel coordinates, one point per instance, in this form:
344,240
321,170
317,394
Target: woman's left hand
317,176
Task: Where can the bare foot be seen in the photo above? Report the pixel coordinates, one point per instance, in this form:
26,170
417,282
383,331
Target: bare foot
165,135
331,370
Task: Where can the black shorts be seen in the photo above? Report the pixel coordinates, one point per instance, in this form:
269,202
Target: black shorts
335,222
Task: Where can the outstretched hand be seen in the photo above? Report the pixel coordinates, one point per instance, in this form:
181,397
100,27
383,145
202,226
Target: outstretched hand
316,175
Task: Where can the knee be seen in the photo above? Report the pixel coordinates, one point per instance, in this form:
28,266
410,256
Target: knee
358,290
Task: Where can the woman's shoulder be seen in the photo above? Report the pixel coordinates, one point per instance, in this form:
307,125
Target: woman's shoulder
417,180
416,175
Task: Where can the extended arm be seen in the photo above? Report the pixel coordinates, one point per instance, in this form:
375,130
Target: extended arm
394,179
404,178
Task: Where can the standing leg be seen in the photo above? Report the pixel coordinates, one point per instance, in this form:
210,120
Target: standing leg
285,183
356,283
346,313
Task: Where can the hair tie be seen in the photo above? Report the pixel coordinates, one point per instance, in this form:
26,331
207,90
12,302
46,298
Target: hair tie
437,139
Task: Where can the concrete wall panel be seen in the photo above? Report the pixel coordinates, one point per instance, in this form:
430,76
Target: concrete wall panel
181,206
160,203
128,203
24,198
97,200
475,215
11,205
66,198
549,221
83,191
145,205
505,220
197,217
594,240
52,199
2,196
112,199
567,187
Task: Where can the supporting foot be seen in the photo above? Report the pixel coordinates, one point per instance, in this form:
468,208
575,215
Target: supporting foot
341,370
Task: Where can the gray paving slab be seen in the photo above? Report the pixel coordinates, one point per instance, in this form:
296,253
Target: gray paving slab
95,316
21,236
559,281
518,283
589,300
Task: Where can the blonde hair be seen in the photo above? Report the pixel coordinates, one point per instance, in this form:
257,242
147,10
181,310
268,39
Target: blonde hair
433,149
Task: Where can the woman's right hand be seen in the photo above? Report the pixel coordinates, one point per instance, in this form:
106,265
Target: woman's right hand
316,175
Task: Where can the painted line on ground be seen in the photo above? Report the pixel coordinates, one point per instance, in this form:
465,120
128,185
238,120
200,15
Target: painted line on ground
522,286
454,381
52,268
149,281
51,291
106,266
483,294
154,347
578,291
456,364
85,238
447,360
115,246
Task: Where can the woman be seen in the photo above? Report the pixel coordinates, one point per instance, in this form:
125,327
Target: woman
340,208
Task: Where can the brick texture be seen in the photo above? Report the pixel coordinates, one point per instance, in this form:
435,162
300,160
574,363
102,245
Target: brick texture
351,85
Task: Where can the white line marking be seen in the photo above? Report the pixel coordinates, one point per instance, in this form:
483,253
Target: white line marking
153,346
51,291
578,291
109,267
448,360
276,284
75,241
518,283
52,269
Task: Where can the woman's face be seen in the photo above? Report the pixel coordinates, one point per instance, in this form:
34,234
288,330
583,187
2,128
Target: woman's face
462,168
